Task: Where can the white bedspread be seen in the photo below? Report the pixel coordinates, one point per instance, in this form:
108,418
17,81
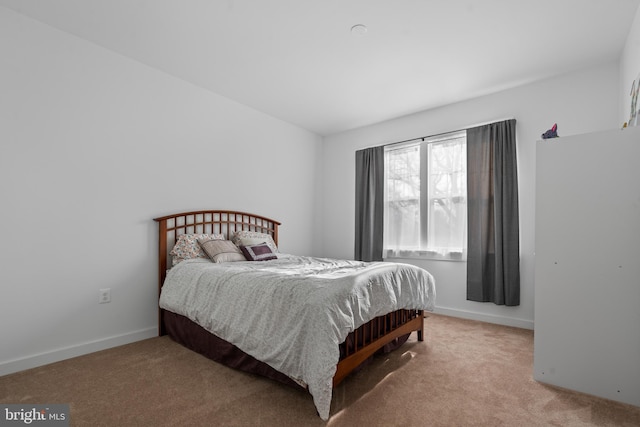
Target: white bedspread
319,300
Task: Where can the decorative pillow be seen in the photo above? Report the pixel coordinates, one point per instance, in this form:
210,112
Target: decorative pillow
248,238
259,252
187,247
221,250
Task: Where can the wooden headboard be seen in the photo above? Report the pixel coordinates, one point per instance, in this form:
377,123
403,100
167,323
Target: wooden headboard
210,222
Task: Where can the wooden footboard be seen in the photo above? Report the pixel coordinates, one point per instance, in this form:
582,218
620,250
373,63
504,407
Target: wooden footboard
370,337
357,348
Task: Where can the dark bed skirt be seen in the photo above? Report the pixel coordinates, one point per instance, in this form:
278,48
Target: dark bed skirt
191,335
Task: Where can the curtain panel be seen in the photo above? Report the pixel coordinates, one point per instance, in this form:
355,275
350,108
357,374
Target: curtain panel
369,204
493,257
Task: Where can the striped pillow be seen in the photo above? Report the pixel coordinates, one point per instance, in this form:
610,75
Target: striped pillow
221,250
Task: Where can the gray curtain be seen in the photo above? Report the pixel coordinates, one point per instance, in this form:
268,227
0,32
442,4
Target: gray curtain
493,258
369,204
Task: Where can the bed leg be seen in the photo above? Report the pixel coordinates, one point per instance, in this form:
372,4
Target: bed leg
421,330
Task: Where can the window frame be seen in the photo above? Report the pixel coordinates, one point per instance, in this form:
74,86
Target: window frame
425,199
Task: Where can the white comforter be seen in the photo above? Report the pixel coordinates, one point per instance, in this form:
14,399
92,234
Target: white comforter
319,300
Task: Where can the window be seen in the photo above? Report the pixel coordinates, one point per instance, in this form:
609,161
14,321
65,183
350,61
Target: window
425,198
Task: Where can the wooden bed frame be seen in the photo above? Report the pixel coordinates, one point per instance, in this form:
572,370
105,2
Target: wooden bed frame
359,345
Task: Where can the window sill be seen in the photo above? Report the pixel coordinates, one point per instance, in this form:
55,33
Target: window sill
425,255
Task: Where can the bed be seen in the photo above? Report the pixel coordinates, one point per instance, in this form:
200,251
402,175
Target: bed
327,316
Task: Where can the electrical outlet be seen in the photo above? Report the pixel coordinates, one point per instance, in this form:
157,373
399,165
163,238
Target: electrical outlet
105,296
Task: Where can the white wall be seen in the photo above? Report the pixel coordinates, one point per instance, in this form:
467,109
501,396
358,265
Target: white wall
629,68
93,146
580,102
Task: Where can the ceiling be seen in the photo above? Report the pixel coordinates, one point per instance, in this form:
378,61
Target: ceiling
297,60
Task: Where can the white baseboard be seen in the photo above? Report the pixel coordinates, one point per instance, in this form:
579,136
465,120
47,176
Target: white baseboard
489,318
57,355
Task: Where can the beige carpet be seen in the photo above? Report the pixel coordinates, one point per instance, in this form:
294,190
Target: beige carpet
466,373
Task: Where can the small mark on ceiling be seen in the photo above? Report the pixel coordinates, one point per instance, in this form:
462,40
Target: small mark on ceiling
359,30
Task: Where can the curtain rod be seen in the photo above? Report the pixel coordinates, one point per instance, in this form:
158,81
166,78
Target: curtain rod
442,133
